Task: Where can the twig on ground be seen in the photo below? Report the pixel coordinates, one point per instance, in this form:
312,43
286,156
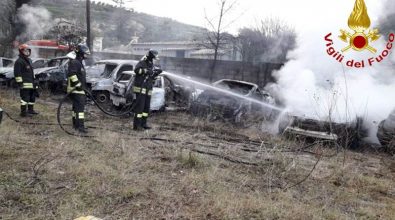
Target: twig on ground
307,176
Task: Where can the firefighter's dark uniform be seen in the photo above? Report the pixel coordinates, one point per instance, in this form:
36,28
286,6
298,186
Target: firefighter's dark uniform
143,72
76,82
24,76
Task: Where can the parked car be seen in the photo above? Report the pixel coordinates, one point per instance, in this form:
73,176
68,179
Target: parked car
6,66
102,75
237,101
7,73
386,132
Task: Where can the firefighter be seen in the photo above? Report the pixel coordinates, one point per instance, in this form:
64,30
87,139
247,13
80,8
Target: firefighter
142,87
76,83
24,77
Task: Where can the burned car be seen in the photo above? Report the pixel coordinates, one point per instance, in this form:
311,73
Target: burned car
6,62
233,100
164,93
102,75
40,66
6,67
53,74
386,132
7,73
346,134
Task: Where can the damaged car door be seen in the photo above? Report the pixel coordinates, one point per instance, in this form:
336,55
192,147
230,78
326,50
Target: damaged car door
122,94
103,86
121,86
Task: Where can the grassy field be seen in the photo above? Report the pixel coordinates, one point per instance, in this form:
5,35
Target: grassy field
184,168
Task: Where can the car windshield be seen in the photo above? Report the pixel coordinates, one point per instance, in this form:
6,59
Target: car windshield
54,63
237,87
8,63
38,64
106,69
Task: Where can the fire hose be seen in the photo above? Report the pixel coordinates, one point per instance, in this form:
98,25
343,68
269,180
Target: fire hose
129,107
126,110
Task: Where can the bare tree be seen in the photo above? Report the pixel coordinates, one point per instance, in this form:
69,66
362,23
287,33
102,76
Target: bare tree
121,3
216,35
7,10
269,41
67,32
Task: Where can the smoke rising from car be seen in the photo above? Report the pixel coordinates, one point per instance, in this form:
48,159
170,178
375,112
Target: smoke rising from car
314,85
37,22
34,23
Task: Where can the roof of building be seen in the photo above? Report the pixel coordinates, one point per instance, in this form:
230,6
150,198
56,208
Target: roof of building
169,42
207,52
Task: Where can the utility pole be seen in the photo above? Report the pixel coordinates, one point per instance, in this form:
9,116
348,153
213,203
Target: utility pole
88,24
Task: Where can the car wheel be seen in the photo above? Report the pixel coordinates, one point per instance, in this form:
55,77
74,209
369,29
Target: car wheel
102,97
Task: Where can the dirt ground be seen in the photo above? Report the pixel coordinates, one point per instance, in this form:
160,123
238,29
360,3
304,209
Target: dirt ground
184,168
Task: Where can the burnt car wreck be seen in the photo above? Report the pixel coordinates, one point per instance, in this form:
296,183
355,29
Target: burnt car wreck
346,134
234,101
386,132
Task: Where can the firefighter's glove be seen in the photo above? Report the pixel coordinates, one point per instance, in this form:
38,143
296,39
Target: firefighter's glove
149,72
20,85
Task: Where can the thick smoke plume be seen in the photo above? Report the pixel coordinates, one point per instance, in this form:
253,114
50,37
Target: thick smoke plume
36,21
315,85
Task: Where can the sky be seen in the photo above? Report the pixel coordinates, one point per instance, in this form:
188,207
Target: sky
300,14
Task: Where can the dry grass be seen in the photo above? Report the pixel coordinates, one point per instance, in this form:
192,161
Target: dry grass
46,174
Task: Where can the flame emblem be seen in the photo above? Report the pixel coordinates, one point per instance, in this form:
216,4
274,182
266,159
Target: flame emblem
359,22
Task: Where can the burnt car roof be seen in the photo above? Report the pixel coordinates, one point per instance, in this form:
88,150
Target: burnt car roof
235,81
58,58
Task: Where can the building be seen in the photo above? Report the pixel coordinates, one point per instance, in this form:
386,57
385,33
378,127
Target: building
184,49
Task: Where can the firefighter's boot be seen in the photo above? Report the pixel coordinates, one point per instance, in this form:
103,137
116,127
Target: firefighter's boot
144,123
23,111
81,126
30,110
137,124
75,123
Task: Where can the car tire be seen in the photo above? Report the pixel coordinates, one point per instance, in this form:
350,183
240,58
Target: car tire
102,97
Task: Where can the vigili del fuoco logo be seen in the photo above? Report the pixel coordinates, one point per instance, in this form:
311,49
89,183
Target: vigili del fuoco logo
359,38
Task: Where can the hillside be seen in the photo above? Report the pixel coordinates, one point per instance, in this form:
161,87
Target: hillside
118,25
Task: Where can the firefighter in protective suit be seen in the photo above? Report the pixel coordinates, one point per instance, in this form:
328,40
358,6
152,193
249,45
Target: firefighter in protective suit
24,77
76,83
145,75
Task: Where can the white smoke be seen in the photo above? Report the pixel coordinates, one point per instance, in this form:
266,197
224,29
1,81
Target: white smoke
37,21
315,85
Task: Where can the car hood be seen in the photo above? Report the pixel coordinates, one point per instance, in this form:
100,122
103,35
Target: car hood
8,72
4,70
93,79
